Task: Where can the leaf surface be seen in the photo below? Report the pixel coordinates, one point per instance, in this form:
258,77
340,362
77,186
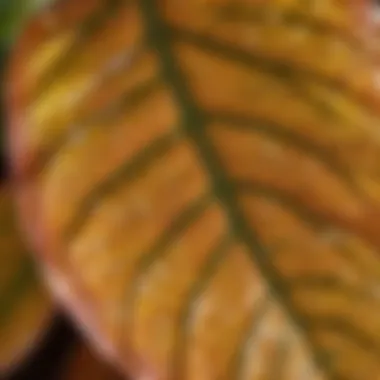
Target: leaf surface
201,179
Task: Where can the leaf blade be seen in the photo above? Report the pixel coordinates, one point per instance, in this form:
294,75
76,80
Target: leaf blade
302,185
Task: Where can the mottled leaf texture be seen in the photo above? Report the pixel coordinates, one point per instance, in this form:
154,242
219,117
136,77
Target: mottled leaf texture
202,180
82,364
25,308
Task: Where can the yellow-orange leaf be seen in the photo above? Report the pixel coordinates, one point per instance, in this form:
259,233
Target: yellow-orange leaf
25,308
201,179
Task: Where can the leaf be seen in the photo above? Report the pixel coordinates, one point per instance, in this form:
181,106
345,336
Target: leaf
25,308
84,365
201,179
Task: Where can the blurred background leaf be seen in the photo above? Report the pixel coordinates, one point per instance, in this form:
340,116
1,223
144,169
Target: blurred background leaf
25,307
